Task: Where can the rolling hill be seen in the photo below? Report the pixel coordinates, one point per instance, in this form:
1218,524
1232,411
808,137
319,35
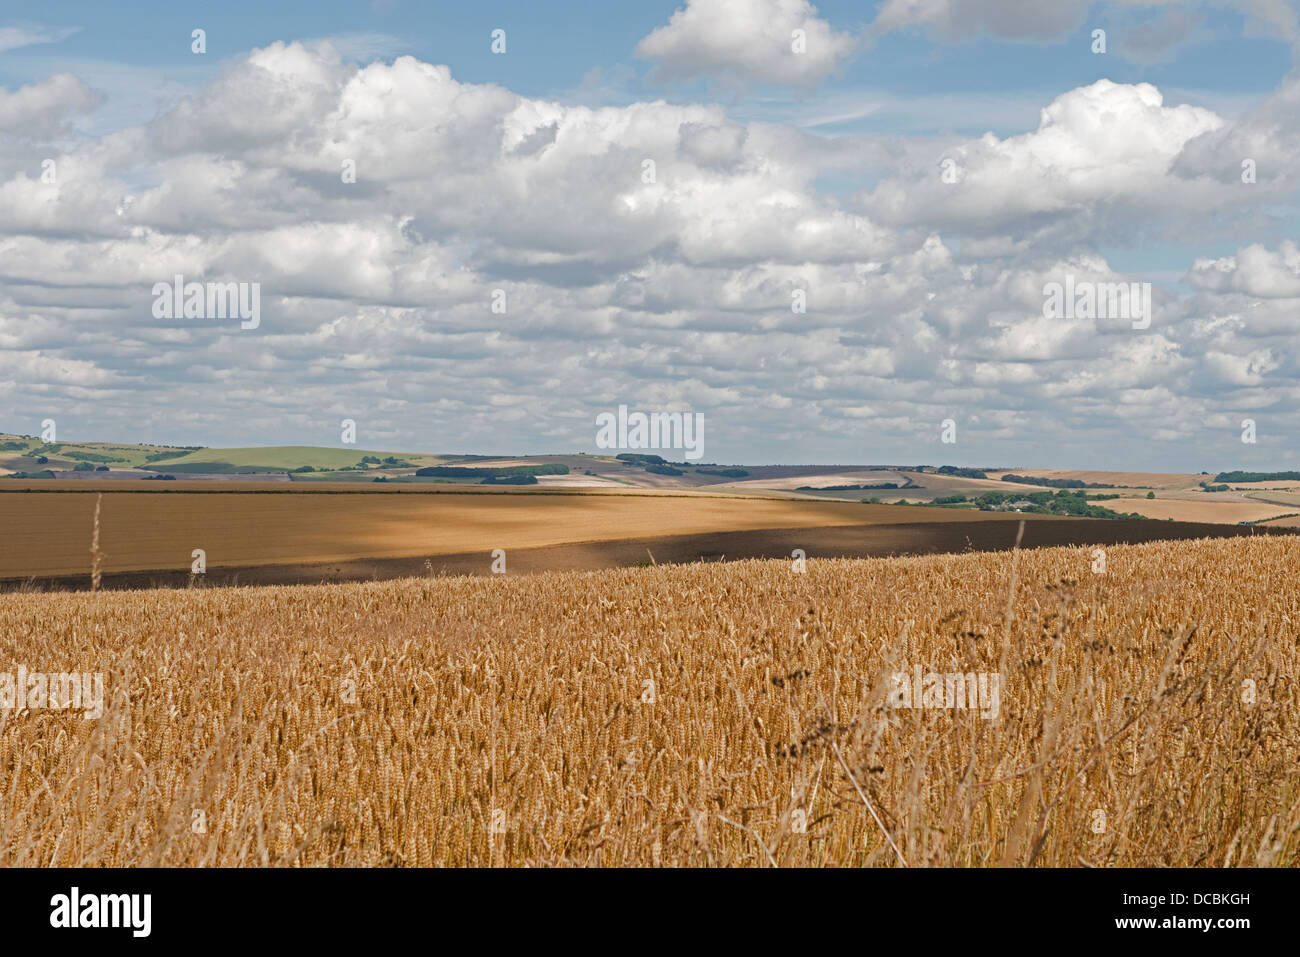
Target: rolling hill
1161,496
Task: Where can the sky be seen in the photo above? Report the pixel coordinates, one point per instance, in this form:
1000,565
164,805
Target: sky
830,229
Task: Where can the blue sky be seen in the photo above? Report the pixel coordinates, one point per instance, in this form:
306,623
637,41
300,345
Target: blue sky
521,172
553,48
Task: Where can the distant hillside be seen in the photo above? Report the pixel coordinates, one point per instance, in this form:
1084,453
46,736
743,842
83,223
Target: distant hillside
18,452
28,456
286,458
1180,497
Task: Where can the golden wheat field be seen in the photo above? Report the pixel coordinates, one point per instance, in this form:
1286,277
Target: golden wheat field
706,714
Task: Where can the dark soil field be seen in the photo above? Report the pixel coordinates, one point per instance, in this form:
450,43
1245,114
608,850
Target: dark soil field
846,541
50,534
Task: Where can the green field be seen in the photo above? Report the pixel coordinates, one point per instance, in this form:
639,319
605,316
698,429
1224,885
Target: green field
20,453
282,458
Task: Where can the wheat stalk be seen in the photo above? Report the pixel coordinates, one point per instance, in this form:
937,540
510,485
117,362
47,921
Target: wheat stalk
96,556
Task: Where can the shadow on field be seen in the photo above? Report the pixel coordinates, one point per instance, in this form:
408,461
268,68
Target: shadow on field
844,541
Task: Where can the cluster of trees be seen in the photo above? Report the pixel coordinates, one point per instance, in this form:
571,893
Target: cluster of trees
725,473
960,472
1064,502
1053,482
163,456
846,488
94,457
461,471
389,462
1256,477
662,466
